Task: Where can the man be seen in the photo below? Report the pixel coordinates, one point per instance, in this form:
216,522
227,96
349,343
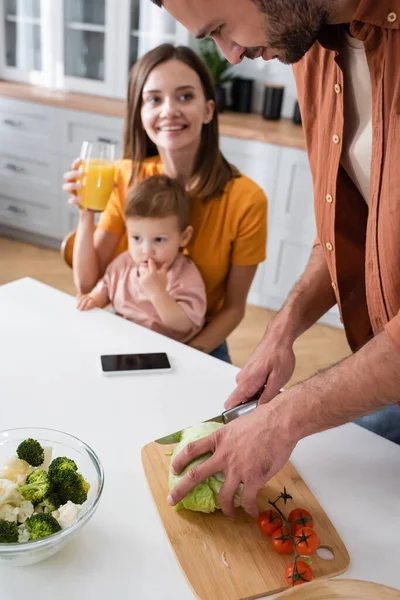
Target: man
348,77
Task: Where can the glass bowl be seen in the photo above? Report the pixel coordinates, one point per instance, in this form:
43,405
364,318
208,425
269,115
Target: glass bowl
88,464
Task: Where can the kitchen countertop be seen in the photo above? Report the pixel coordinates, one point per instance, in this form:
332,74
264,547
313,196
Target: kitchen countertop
50,377
239,125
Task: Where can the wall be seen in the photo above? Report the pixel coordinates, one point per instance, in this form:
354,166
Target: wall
269,72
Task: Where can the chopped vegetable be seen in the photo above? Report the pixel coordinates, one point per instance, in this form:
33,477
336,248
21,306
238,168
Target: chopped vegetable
224,561
71,486
8,532
59,465
31,451
42,525
37,486
37,502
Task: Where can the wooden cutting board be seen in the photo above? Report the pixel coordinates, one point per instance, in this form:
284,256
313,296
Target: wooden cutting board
341,589
231,560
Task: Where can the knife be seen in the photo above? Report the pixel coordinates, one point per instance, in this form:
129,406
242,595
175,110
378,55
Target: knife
226,417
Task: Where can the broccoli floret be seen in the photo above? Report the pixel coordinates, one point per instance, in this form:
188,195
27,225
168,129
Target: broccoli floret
37,486
51,502
8,532
42,525
59,465
72,486
31,451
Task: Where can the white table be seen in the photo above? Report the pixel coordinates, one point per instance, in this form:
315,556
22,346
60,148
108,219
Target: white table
50,377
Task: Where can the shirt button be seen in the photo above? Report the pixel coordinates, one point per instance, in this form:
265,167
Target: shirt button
335,139
338,88
392,17
333,284
329,246
329,198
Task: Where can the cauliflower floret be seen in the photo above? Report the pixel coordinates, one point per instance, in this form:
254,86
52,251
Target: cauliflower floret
23,534
48,455
25,511
8,512
9,493
67,514
20,480
14,469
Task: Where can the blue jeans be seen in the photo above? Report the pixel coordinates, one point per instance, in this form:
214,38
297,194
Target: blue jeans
384,422
222,353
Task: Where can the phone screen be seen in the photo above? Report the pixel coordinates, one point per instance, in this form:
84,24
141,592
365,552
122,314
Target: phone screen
134,362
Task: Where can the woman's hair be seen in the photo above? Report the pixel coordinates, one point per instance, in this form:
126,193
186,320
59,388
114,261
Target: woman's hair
211,170
157,197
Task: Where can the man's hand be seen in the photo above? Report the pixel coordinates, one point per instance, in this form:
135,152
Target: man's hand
250,450
153,280
271,365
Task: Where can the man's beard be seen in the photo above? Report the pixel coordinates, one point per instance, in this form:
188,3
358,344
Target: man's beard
291,26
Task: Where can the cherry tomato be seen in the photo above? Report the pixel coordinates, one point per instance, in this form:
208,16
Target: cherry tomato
306,541
300,517
281,541
269,521
301,574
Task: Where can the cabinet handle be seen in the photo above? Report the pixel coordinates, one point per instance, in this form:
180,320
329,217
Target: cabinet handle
105,140
12,123
14,168
16,210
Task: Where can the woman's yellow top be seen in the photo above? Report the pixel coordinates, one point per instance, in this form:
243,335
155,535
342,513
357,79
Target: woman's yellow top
230,229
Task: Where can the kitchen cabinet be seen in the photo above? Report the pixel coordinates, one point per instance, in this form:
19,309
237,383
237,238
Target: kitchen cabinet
284,174
86,46
25,41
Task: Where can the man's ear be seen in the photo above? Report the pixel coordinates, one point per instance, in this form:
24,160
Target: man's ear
186,236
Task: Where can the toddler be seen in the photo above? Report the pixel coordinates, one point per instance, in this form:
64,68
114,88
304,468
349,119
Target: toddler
153,283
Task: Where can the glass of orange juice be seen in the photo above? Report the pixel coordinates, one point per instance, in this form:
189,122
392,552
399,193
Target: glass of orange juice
97,164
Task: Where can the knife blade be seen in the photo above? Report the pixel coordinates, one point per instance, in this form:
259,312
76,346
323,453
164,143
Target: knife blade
226,417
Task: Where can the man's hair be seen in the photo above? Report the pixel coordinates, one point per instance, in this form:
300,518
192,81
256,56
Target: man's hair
157,197
157,2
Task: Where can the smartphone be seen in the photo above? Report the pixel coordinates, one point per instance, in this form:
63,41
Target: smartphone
126,364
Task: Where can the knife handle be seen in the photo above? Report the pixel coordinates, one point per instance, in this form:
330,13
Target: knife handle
239,411
243,409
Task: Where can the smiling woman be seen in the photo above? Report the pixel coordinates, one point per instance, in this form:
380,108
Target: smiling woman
171,128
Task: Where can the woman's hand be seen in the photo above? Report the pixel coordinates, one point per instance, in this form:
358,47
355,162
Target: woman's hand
72,184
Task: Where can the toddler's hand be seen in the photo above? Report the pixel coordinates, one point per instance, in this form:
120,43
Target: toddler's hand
154,280
85,302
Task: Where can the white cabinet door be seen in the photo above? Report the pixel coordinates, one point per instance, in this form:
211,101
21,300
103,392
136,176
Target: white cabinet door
25,41
77,126
142,26
31,126
292,231
85,48
258,161
291,228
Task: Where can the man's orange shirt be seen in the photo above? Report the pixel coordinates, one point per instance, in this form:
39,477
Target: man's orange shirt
361,243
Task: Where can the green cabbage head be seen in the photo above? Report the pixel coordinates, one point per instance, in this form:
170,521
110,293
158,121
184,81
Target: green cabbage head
204,497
